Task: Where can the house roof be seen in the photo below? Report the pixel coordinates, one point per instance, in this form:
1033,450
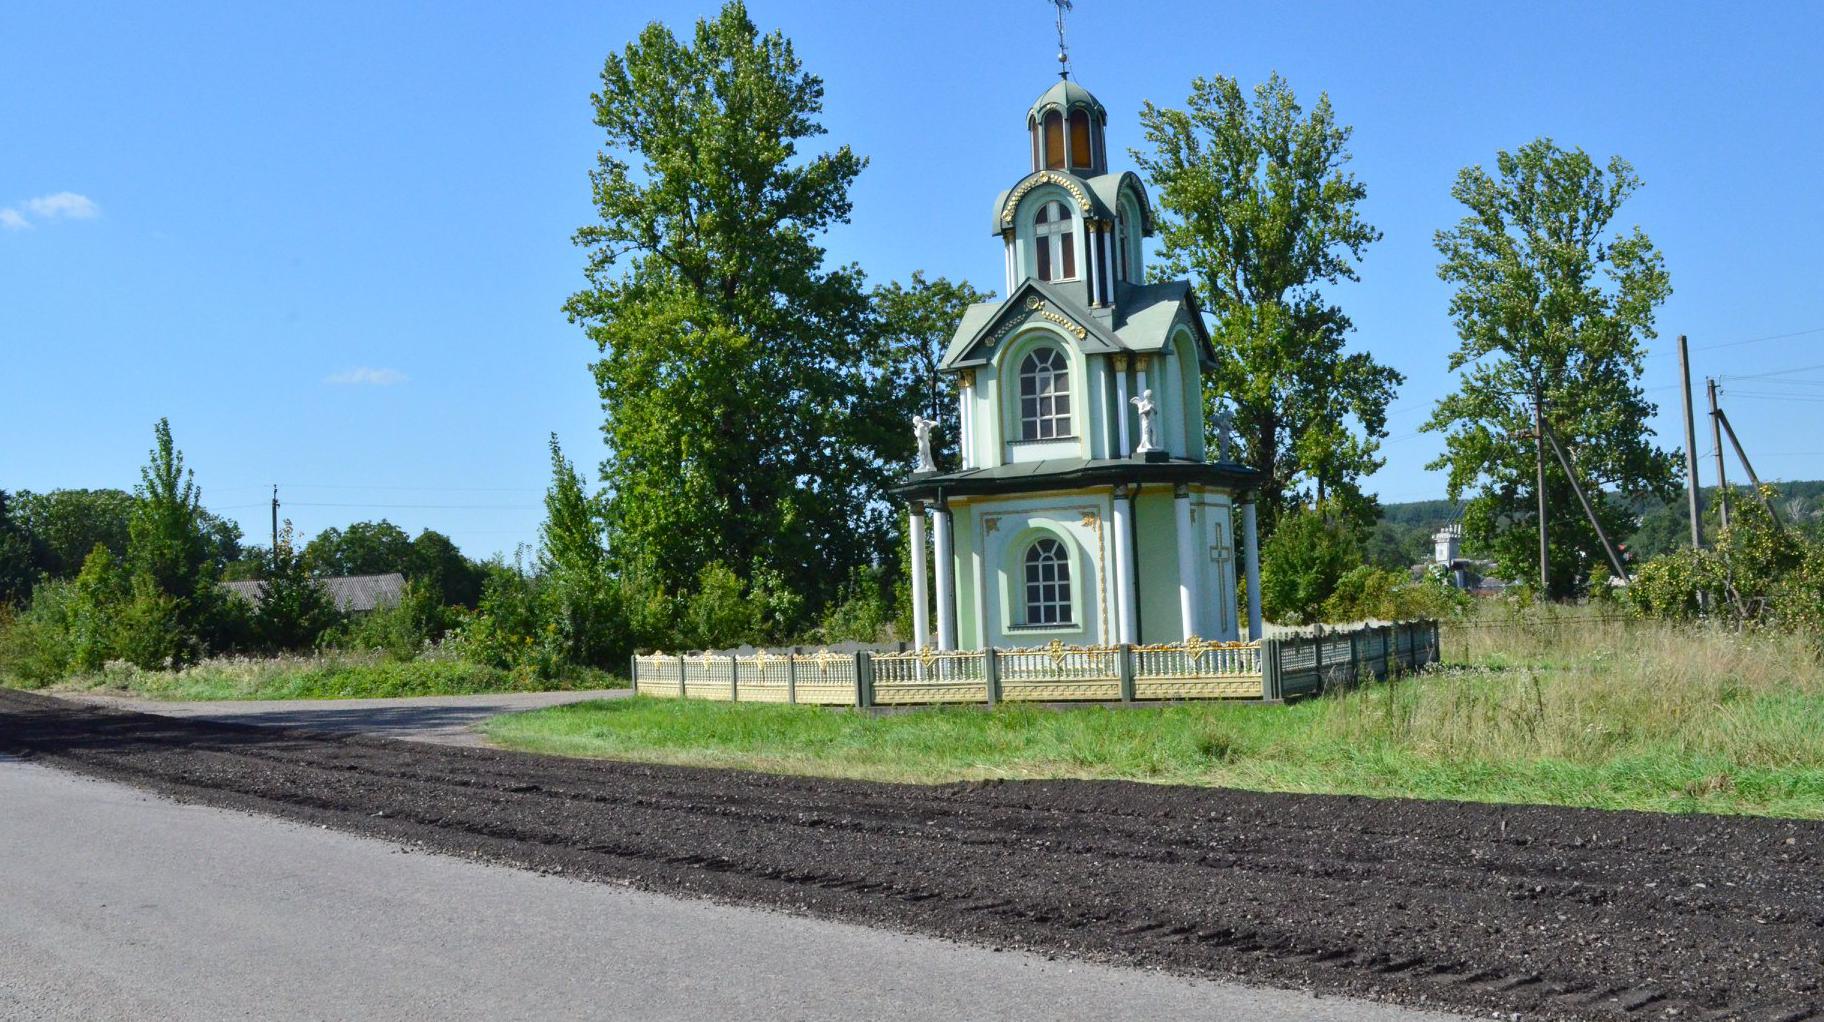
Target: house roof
1057,473
1099,196
351,593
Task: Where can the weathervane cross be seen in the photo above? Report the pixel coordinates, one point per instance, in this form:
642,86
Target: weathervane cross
1063,50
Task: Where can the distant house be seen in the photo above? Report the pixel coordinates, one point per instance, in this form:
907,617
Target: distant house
353,594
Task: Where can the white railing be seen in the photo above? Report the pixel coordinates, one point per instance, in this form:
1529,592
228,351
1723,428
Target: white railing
1278,668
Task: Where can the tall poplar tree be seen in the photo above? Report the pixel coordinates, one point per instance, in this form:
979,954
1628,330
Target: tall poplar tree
736,367
1259,210
1556,301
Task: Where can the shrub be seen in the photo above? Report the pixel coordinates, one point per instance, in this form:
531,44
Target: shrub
1302,563
862,613
35,643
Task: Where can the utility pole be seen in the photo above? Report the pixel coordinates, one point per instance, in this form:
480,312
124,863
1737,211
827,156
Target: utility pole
1564,462
1716,435
1746,464
275,519
1691,481
1545,568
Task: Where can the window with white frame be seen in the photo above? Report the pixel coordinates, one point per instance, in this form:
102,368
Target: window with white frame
1044,395
1057,240
1047,583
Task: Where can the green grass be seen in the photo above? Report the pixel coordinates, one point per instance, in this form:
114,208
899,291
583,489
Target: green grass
1591,714
330,676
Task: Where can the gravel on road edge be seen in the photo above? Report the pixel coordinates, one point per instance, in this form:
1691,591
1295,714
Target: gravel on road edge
1557,913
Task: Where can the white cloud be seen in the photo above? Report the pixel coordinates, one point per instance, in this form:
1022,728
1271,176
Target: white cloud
63,204
367,377
60,206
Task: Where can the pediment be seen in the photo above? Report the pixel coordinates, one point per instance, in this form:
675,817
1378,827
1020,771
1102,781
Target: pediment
1033,303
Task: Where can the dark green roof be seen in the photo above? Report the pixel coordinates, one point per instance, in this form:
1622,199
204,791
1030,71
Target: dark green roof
1067,95
1145,316
1057,473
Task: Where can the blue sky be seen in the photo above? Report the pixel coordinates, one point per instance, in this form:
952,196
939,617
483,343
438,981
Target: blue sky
331,241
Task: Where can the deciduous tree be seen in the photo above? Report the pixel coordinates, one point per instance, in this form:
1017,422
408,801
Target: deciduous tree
1553,299
1259,209
736,371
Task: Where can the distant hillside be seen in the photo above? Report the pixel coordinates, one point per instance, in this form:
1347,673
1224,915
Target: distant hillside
1403,535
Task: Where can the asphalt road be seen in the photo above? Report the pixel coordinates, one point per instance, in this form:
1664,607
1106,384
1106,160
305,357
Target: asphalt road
120,904
446,720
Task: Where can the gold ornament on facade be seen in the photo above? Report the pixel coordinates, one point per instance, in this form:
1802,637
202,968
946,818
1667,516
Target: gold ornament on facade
990,526
1089,518
1043,178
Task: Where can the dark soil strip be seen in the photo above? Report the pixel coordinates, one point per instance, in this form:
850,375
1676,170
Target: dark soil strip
1546,912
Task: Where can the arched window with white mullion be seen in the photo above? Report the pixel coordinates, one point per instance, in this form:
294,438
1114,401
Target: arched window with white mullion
1047,584
1044,395
1055,231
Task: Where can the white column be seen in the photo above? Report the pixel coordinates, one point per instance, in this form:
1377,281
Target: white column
1092,250
1187,565
1140,388
1108,259
963,438
1124,568
1253,562
946,583
1011,262
1121,405
921,608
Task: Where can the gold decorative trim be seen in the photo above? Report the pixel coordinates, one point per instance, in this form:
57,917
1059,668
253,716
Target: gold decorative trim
1044,177
966,378
1089,519
990,525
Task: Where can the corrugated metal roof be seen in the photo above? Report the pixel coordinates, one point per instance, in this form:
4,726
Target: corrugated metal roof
351,593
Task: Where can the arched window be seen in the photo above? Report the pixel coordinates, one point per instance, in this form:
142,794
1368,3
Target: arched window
1047,583
1044,396
1079,138
1054,141
1057,239
1032,126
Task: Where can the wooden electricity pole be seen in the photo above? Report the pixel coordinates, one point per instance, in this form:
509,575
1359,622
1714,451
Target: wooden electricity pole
1716,434
1691,480
1589,512
275,519
1545,567
1748,466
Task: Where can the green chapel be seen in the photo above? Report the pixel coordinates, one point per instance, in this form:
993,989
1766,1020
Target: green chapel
1087,509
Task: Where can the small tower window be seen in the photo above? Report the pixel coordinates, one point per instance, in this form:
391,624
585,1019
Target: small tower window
1056,234
1032,128
1044,396
1047,583
1054,141
1079,138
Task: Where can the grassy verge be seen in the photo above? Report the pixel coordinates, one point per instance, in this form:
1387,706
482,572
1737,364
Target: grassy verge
1589,713
331,676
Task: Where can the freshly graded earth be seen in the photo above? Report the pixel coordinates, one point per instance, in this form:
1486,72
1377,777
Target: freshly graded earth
1541,911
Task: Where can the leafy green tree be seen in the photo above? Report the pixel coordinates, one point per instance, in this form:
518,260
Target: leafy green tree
916,320
1259,210
436,563
579,590
17,570
98,595
736,370
1556,301
171,560
294,608
1302,563
364,548
67,524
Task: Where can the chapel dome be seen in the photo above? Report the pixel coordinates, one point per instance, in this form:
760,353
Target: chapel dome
1066,126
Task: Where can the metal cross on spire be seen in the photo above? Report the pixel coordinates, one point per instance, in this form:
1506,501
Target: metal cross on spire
1063,6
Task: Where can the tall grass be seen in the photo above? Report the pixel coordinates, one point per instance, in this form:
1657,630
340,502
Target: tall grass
1550,707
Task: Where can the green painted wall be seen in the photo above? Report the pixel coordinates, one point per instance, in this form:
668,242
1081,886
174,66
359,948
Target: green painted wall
966,526
1156,565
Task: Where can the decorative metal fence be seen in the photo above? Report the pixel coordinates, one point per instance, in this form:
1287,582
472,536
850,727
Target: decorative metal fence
1274,669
